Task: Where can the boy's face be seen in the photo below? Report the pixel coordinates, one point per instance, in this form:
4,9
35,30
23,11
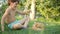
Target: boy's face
14,5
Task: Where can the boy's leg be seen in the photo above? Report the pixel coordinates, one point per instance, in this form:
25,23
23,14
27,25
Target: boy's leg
17,26
24,20
26,23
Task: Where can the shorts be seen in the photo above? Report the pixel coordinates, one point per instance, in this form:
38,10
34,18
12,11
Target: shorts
12,23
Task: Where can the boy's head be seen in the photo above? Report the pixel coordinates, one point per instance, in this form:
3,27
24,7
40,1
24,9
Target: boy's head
13,3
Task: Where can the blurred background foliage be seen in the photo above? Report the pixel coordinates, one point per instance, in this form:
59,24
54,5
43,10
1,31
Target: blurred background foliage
47,9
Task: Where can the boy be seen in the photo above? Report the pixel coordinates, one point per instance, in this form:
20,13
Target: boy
9,17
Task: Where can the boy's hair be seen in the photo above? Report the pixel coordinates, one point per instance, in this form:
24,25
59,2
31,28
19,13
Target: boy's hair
9,1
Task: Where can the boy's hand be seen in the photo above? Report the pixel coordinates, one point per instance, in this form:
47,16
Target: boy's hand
27,11
2,27
2,30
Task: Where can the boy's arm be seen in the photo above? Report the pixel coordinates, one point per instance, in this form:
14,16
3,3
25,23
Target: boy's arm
3,19
23,12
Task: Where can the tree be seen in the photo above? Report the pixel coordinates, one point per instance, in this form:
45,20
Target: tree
48,8
32,14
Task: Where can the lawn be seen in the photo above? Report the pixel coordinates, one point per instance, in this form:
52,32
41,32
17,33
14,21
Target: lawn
50,28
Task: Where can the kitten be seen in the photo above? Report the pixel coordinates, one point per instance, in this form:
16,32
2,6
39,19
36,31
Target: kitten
38,26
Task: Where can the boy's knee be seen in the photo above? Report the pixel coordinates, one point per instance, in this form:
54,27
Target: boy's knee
24,27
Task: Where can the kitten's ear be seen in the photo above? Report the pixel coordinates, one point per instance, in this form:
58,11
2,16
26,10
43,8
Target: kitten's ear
38,22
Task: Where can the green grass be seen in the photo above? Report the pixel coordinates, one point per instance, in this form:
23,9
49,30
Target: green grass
51,28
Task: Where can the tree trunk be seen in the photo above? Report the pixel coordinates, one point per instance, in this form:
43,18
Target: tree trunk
32,14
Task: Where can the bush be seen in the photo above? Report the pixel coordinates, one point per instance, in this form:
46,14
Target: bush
48,8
